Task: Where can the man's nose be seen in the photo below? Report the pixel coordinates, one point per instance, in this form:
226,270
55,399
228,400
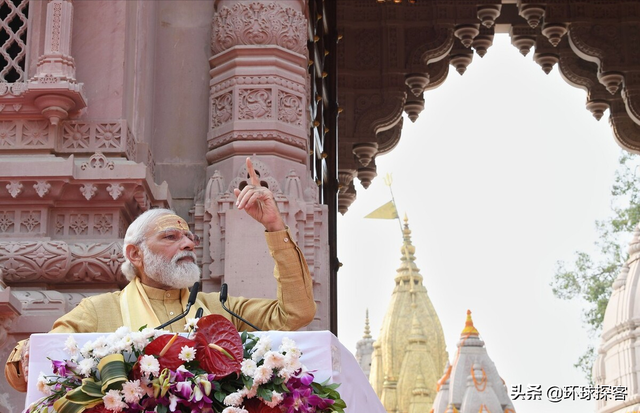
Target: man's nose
188,243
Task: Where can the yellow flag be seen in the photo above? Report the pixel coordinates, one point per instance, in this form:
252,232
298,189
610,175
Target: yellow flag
386,211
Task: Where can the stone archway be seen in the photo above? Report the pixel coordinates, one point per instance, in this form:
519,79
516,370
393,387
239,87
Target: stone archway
394,52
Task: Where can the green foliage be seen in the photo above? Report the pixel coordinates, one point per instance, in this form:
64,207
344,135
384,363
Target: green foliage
589,277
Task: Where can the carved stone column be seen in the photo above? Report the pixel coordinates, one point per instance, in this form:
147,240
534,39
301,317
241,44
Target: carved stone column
55,82
259,103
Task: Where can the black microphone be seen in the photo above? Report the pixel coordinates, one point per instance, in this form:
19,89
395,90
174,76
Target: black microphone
223,299
192,299
199,312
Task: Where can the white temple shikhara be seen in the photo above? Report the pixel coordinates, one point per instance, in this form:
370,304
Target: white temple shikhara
471,382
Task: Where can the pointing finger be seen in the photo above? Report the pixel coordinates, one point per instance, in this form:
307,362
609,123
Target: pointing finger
252,173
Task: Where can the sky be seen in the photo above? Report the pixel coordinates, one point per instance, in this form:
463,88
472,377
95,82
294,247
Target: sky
503,175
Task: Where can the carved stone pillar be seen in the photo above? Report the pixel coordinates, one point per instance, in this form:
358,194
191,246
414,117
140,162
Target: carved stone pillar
259,103
58,92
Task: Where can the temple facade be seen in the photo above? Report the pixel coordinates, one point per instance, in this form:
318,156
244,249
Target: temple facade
617,364
471,383
409,356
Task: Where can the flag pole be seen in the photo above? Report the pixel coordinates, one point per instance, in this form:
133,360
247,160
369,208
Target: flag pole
388,181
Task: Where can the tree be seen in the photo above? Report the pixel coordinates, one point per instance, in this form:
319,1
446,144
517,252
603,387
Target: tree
590,277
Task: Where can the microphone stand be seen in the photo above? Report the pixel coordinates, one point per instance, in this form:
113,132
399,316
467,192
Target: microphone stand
223,299
192,299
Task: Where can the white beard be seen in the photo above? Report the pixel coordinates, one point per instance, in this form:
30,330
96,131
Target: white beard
170,272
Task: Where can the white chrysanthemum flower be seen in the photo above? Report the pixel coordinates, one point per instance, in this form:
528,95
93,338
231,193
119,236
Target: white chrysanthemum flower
276,399
273,360
85,366
289,346
149,365
87,349
262,375
262,346
233,399
71,347
42,386
124,345
248,367
139,340
122,331
113,401
190,325
187,353
290,366
132,391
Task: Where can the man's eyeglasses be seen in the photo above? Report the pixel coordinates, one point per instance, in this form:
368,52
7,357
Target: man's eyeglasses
176,235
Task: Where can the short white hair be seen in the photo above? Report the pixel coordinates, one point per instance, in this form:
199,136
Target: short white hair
135,236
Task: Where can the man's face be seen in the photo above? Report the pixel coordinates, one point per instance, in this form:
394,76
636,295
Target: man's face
168,258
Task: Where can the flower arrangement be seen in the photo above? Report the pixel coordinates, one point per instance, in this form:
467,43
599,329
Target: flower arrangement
212,369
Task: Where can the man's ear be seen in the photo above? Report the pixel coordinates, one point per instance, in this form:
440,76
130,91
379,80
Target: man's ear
134,255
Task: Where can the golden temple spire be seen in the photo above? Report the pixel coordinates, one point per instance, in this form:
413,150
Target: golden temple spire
469,329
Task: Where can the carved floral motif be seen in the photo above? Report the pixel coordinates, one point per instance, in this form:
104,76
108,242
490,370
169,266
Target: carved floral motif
115,190
289,108
221,109
6,221
258,23
75,135
88,190
103,223
31,220
14,188
57,261
108,135
42,188
98,161
30,260
35,133
78,223
254,104
7,134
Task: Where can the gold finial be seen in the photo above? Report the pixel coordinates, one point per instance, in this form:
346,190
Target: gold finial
469,329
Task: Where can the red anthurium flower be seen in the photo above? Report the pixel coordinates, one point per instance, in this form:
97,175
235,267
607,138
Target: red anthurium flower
219,347
167,348
256,405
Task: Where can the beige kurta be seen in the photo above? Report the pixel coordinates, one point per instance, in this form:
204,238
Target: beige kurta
293,309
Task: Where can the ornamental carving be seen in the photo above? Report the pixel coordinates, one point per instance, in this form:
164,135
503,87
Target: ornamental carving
7,134
7,221
113,137
58,262
75,135
221,109
88,191
42,188
290,108
98,161
30,221
14,188
247,136
32,260
108,135
259,24
254,104
35,133
115,190
95,262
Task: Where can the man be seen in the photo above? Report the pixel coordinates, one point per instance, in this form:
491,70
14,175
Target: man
160,265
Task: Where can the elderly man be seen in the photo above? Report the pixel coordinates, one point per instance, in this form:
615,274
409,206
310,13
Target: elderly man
160,265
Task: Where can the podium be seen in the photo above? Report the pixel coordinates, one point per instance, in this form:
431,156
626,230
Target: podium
322,353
